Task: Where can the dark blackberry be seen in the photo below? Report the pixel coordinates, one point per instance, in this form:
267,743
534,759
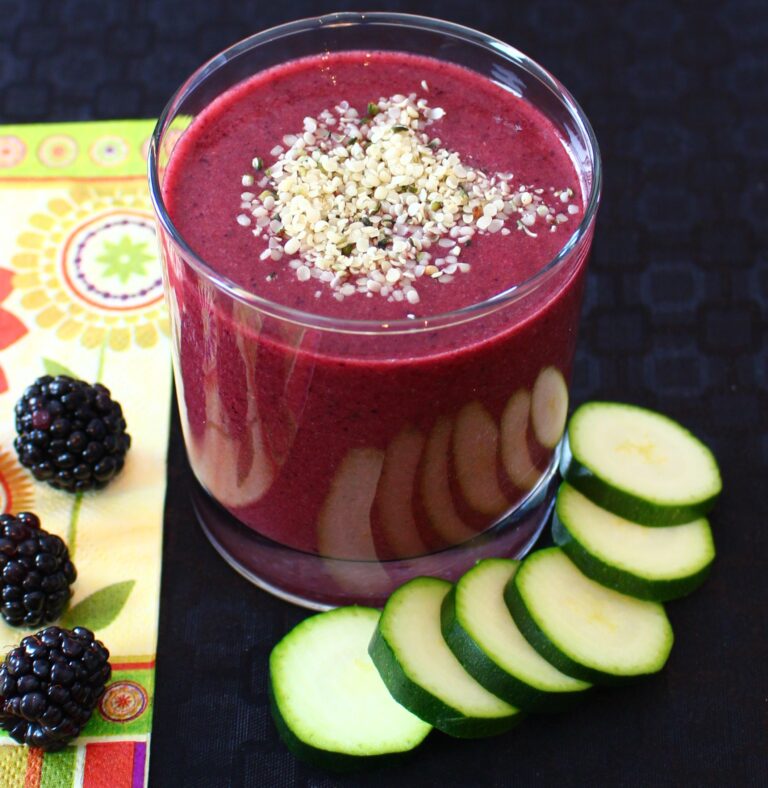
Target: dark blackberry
70,434
35,572
50,685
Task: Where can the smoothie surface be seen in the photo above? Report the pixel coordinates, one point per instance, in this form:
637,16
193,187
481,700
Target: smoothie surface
490,128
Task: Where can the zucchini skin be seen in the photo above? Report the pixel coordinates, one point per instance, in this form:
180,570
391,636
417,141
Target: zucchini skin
424,704
536,637
621,580
539,640
326,759
487,673
624,503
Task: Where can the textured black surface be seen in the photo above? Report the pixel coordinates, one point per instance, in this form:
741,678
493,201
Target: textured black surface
675,318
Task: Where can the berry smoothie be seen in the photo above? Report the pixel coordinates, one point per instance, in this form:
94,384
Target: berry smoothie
372,186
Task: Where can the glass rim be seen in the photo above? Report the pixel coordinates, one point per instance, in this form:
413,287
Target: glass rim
380,326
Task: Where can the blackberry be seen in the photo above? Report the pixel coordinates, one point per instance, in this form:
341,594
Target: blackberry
35,571
70,434
50,685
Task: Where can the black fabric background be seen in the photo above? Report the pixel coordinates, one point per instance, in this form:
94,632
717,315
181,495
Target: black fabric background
674,318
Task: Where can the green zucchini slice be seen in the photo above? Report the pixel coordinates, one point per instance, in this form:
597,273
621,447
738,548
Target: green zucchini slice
483,635
647,562
421,671
584,629
329,703
639,464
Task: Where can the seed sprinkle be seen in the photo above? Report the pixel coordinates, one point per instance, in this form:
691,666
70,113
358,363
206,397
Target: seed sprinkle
362,202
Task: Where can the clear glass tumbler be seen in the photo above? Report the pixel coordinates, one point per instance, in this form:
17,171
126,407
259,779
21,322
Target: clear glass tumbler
450,451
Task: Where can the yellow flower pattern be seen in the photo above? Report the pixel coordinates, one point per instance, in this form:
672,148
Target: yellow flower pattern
88,267
81,290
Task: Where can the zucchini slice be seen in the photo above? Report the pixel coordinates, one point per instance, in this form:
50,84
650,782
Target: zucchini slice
329,703
393,505
515,454
421,671
482,634
435,486
649,563
475,452
549,407
584,629
639,464
344,523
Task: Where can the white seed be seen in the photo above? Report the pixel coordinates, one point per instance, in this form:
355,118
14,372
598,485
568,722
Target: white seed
362,216
292,245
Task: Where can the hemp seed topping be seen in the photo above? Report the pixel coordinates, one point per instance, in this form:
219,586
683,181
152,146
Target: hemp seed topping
370,204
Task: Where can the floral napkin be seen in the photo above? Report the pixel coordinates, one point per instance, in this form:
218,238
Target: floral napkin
81,293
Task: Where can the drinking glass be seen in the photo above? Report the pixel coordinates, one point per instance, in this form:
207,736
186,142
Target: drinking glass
337,458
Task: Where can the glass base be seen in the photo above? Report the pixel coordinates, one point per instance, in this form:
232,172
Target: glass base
320,583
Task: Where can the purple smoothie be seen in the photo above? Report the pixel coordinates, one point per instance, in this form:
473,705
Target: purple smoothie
369,446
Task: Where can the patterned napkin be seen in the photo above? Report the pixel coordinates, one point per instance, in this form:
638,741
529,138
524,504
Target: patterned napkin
81,293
